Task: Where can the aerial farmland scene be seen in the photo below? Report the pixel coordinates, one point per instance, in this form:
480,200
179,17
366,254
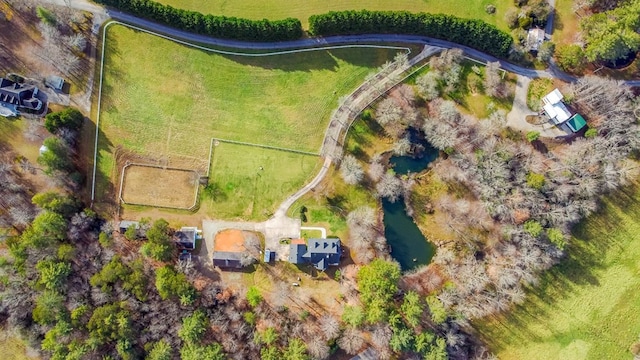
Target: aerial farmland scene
308,180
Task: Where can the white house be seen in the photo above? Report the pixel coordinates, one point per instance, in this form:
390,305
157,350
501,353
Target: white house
555,108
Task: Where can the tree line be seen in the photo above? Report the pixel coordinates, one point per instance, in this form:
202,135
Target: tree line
218,26
470,32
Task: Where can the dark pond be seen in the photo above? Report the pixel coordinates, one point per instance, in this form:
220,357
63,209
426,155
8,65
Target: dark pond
406,164
408,246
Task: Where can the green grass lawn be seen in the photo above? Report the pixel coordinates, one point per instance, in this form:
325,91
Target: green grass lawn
169,103
566,25
280,9
248,182
586,307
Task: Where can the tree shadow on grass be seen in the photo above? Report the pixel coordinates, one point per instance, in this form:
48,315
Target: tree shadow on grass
104,187
303,62
591,244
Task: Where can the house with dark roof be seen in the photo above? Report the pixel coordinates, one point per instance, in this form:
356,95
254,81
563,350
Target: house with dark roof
321,253
19,95
186,237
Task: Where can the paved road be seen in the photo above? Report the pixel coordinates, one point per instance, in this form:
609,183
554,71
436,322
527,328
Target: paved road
552,72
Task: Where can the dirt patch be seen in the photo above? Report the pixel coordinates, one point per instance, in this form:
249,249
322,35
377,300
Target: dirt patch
159,187
229,241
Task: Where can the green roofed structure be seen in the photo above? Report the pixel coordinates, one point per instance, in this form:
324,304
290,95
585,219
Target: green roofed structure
576,123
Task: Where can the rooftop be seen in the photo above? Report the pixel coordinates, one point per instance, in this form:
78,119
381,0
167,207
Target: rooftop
576,123
555,108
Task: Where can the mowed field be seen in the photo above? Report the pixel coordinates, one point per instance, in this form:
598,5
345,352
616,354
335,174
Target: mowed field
587,307
248,182
280,9
165,101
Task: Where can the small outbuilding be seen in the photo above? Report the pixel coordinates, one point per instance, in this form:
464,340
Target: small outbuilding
535,38
268,256
55,82
576,123
42,149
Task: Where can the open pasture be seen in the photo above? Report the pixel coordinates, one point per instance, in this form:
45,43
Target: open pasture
280,9
165,101
248,182
587,306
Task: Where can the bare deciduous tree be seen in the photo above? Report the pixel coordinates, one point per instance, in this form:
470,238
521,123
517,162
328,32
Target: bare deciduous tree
351,170
351,341
330,326
428,85
389,187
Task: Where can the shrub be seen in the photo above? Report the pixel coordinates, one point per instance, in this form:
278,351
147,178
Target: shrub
535,180
533,228
131,233
470,32
196,352
490,9
591,133
253,296
160,351
250,318
105,240
557,238
46,16
533,136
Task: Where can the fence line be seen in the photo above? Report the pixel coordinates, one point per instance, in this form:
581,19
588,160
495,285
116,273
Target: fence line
196,185
266,146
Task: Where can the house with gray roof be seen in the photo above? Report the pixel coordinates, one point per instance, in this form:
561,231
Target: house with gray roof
321,253
186,237
19,95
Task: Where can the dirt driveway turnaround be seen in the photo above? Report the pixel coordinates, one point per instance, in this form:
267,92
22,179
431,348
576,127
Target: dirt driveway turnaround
274,229
517,117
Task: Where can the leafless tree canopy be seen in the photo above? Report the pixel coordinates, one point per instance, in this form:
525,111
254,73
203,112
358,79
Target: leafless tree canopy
351,170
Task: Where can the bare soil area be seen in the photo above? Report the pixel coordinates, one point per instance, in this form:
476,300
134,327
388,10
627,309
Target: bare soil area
153,186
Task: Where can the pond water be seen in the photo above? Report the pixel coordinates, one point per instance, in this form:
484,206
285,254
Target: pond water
408,246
